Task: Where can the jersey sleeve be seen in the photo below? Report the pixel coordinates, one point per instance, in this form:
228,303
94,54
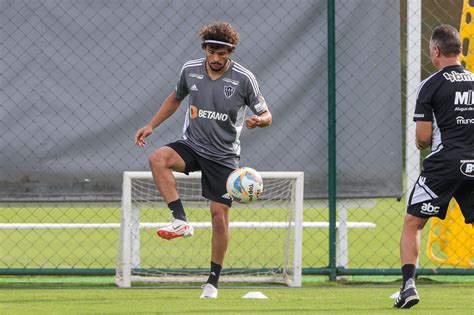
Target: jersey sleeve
182,86
424,108
254,98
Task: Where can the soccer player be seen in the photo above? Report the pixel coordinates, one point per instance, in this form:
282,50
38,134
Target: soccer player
444,116
219,90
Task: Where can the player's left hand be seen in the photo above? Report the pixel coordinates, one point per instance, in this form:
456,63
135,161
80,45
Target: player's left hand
253,121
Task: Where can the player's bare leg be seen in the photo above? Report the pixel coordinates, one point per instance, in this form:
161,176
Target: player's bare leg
409,251
410,240
220,242
220,231
162,162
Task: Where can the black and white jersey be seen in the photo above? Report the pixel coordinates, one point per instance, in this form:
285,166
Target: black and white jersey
446,98
216,112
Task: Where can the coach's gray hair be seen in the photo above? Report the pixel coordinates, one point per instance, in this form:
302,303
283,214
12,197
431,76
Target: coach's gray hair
447,39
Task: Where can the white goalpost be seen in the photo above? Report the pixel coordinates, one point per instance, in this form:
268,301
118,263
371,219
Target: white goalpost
260,250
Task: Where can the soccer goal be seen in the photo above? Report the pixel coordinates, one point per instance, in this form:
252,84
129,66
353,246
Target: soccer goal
266,235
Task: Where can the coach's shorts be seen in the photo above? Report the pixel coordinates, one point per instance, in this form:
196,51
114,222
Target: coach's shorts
430,197
214,175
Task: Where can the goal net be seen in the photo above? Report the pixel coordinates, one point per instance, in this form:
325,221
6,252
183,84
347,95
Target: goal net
265,236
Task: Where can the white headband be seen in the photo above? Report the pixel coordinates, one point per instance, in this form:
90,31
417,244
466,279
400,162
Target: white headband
211,41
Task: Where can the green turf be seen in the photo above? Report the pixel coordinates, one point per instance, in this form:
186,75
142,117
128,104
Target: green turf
338,299
359,294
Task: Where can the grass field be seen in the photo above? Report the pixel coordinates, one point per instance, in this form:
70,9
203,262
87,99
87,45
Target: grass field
34,297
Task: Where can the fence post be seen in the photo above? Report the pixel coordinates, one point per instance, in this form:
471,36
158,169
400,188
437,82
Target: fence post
332,136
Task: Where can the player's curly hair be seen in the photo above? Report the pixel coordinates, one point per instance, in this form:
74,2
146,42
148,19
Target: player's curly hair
220,31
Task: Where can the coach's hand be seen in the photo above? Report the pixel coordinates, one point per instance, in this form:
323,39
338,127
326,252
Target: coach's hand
141,134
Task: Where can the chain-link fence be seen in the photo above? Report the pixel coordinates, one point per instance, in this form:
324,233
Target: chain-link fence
79,77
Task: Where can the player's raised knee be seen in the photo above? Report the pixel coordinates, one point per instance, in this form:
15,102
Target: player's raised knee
158,158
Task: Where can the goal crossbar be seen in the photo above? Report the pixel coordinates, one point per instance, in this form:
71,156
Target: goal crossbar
197,175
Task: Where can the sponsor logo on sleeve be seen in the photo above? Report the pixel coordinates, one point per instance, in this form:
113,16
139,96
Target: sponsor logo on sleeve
467,167
258,107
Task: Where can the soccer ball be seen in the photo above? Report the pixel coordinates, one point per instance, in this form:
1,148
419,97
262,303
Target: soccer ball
244,185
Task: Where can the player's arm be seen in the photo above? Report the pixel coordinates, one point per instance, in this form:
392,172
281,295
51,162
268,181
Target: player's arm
423,134
167,109
262,120
262,116
423,115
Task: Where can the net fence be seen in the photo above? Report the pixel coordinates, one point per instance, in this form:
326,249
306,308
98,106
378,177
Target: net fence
78,78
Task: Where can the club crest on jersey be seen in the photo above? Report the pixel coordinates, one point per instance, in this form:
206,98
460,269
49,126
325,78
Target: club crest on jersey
229,91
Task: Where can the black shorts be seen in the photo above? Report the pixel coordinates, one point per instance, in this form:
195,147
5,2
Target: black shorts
214,175
430,197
